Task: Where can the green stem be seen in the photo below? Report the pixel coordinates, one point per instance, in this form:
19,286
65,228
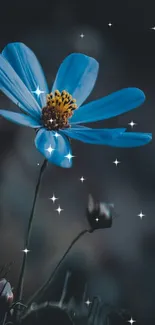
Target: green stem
19,292
44,287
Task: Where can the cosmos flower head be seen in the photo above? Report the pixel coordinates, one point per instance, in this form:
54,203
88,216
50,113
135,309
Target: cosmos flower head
57,114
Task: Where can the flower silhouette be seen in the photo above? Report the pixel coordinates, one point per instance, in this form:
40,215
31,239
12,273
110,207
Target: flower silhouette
56,115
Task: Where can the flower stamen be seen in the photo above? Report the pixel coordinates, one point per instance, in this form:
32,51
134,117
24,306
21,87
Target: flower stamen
60,107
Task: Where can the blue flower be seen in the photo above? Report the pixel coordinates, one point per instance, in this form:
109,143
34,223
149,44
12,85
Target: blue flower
56,116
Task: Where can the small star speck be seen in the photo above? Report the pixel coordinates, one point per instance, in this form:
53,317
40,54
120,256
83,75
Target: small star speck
153,28
141,215
37,164
50,149
51,120
82,35
53,198
37,91
25,250
97,219
132,123
59,209
82,179
110,24
69,156
116,162
131,321
88,302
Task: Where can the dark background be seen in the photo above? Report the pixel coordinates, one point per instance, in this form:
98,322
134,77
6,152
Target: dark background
119,262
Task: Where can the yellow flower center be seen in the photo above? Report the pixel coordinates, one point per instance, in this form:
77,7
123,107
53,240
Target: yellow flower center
59,108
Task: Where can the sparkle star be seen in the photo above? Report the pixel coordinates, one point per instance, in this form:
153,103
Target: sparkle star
82,179
141,215
53,198
110,24
132,123
82,35
131,321
59,209
116,162
97,219
37,91
69,156
51,120
25,250
88,302
50,149
153,28
37,164
56,135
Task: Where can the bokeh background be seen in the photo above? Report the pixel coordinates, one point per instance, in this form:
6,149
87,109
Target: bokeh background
118,263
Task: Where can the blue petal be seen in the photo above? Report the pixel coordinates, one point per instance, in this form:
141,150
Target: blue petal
112,105
21,119
132,139
13,87
28,68
77,75
94,136
46,139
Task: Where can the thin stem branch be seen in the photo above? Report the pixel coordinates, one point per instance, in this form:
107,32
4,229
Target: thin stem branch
19,291
44,287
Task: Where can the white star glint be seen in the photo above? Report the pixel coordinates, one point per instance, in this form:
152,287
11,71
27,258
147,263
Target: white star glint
88,302
25,250
141,215
50,149
56,135
132,123
131,321
37,164
82,179
37,91
153,28
116,162
53,198
59,209
51,120
110,24
97,219
69,156
82,35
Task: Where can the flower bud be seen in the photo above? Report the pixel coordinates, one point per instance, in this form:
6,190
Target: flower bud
6,294
99,215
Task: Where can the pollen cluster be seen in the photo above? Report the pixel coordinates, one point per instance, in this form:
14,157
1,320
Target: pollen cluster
59,108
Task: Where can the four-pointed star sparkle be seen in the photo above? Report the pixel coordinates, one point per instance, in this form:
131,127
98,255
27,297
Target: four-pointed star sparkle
53,198
88,302
110,24
141,215
38,91
116,162
132,123
69,156
25,250
56,135
59,209
82,35
82,179
50,149
131,321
